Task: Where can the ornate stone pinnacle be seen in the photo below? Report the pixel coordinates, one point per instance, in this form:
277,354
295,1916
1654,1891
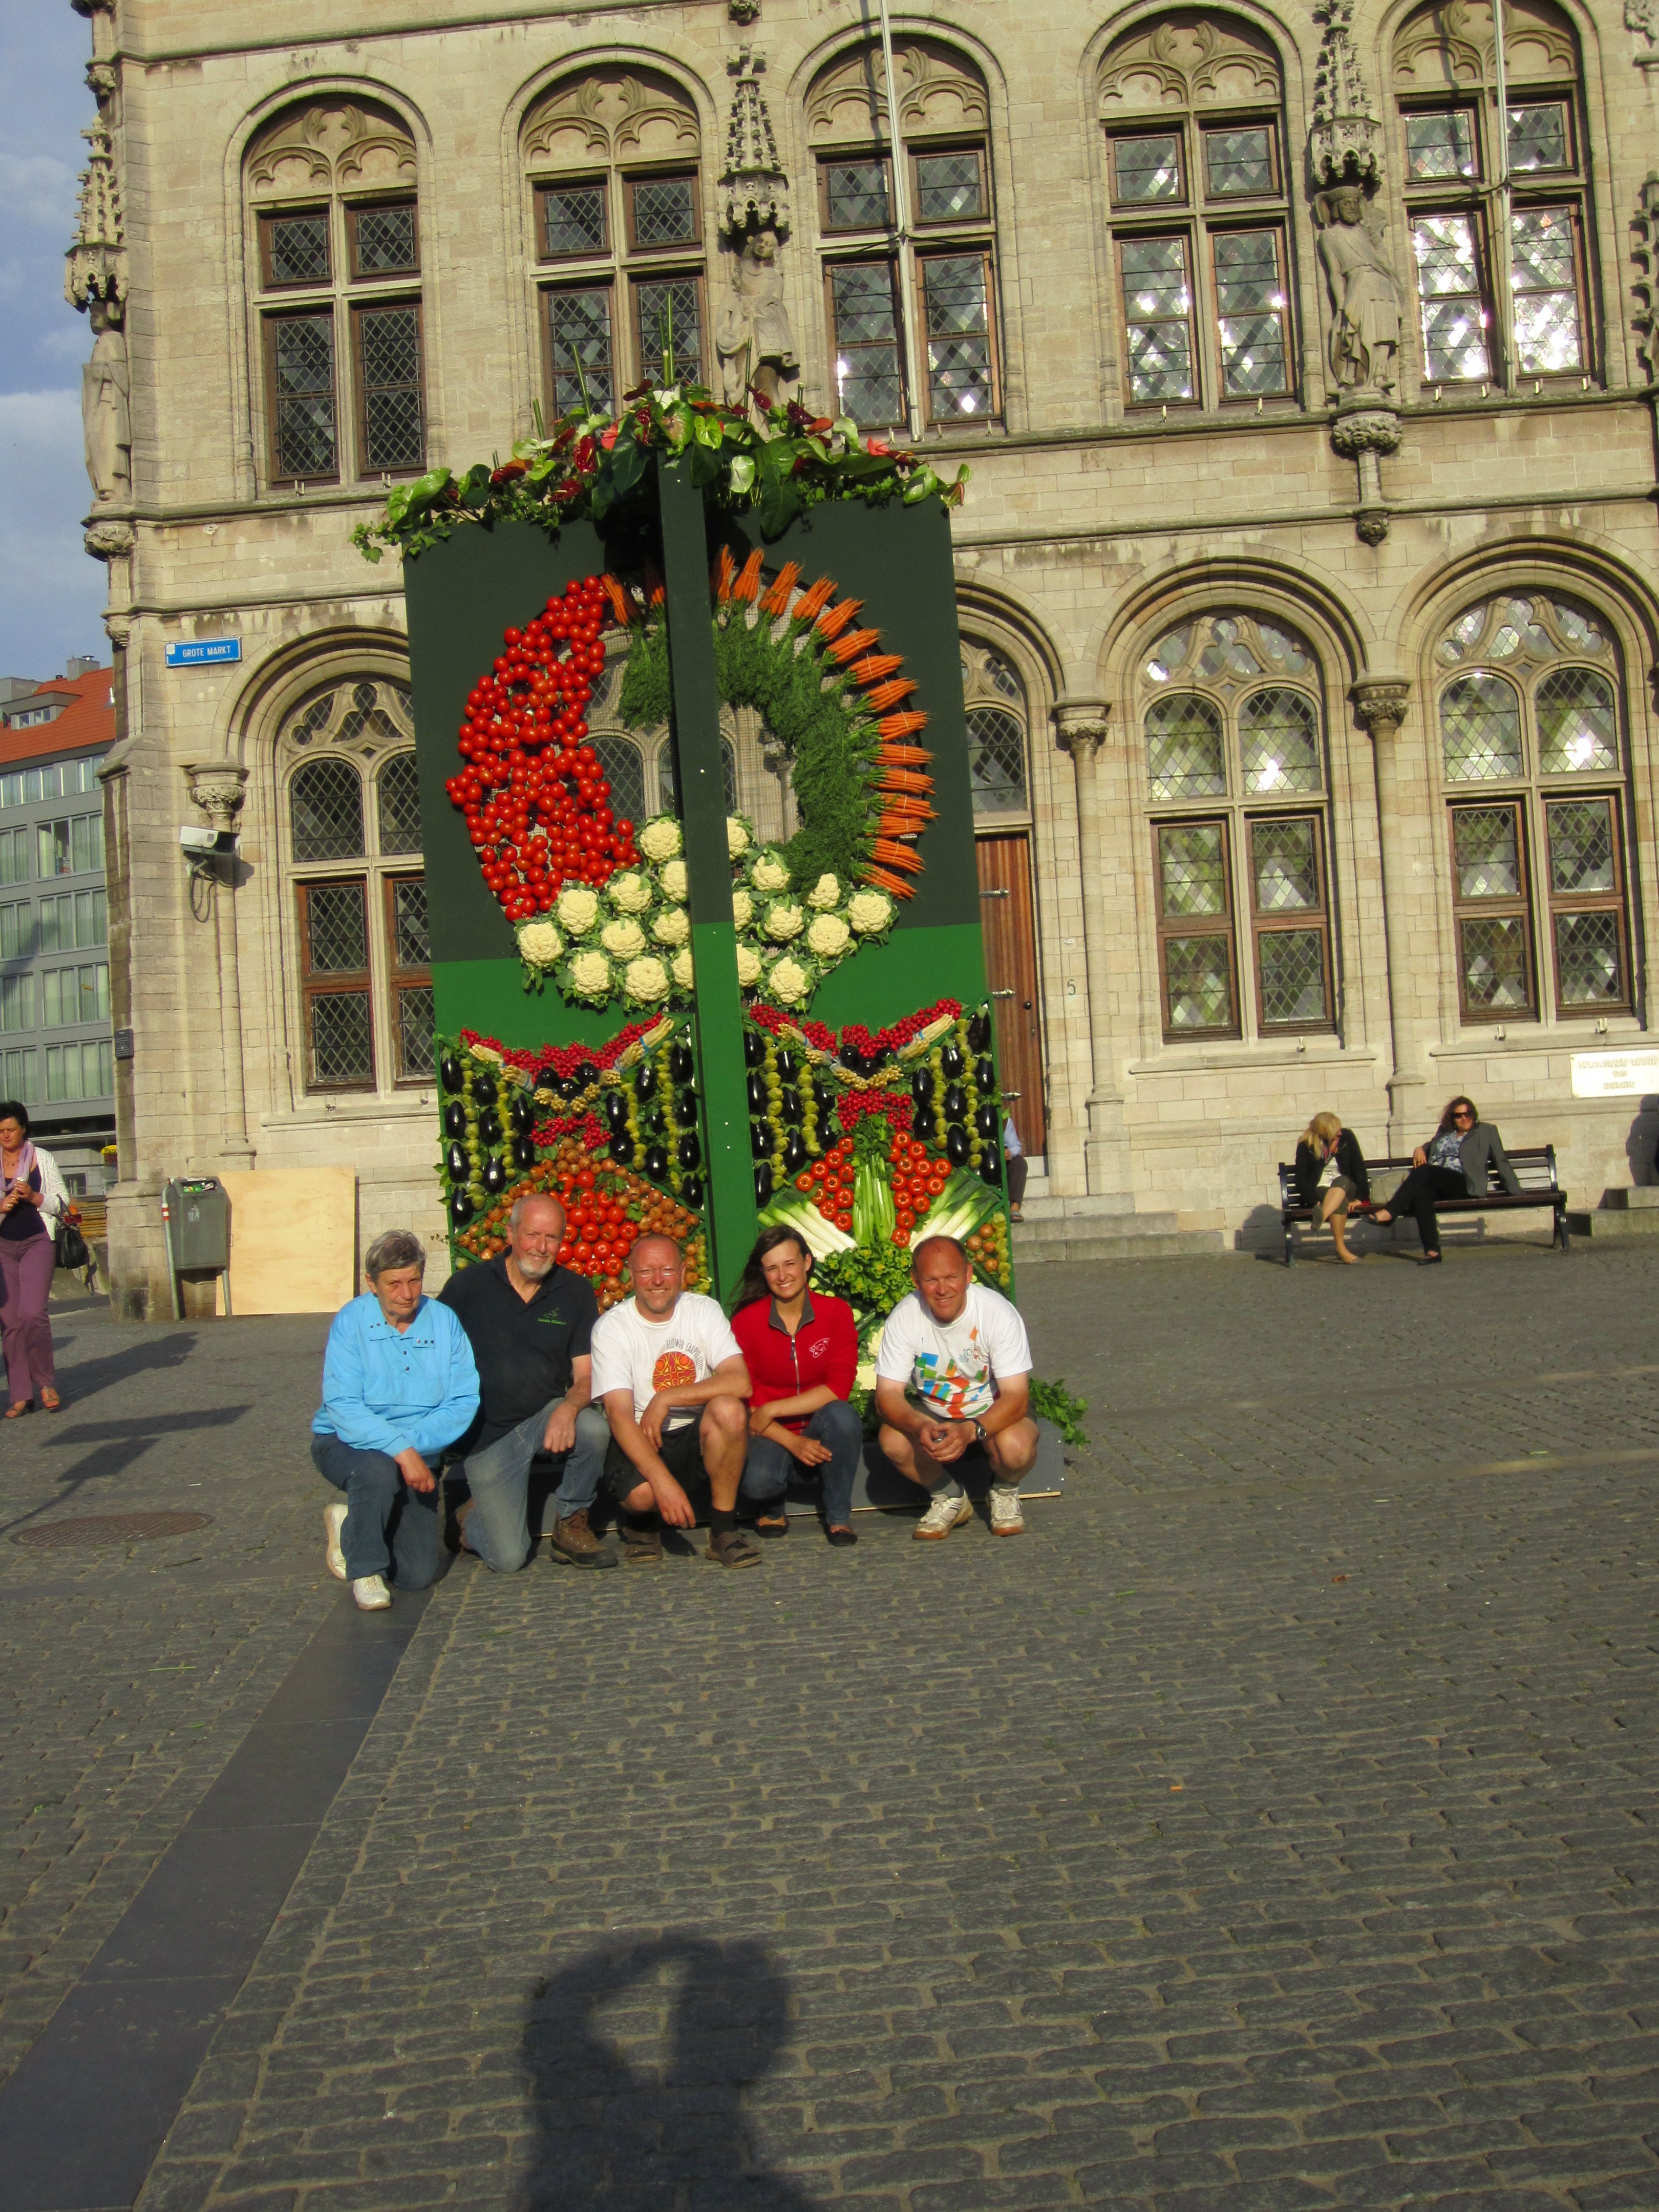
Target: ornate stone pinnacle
753,189
96,264
1379,703
218,788
1346,139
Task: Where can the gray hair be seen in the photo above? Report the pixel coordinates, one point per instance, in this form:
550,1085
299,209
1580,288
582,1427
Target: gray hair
397,1248
535,1198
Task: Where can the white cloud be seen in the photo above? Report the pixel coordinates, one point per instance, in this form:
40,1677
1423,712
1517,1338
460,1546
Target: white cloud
52,595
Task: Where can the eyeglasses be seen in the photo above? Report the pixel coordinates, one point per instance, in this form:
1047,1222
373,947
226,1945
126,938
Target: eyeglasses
1462,1114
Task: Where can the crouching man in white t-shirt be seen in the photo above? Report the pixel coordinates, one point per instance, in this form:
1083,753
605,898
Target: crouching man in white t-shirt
671,1378
962,1350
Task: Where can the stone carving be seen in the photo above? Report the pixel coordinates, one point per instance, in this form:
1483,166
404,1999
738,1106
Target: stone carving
1364,434
743,11
937,91
218,788
1192,62
109,541
606,115
753,189
329,144
752,337
1452,42
1645,290
1366,303
96,263
1346,138
106,417
1379,704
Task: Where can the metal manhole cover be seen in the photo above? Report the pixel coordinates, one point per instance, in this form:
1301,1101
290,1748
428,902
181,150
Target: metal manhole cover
109,1528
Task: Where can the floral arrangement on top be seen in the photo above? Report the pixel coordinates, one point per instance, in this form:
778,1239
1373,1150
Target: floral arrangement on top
593,463
598,903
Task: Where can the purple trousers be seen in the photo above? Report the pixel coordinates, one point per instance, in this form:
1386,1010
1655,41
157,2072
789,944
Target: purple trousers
26,1272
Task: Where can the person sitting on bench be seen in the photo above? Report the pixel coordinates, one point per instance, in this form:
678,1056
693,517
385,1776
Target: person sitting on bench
1330,1173
1455,1163
963,1349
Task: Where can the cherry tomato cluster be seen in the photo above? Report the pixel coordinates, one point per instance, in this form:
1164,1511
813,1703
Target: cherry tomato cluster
607,1210
536,800
917,1181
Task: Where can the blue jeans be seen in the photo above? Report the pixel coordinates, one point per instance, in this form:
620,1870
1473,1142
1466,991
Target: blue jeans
498,1528
769,1467
390,1530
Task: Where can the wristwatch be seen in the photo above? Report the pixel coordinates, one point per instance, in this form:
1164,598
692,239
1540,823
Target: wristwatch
979,1430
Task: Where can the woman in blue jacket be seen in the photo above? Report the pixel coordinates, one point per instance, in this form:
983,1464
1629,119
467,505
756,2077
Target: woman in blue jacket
399,1385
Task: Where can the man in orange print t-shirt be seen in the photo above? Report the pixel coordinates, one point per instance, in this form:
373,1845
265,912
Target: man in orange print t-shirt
673,1379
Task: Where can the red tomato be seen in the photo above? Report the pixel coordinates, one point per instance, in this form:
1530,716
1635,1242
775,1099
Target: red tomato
585,1178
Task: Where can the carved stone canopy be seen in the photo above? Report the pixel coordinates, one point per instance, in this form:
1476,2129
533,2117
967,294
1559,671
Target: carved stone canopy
1345,140
218,788
1193,61
753,189
1453,42
96,263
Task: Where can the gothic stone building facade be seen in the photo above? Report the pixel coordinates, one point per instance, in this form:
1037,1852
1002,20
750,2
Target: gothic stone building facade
1307,579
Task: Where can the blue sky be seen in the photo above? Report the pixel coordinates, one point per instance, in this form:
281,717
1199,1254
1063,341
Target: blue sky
51,596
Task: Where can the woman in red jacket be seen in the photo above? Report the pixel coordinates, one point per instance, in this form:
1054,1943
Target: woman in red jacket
803,1354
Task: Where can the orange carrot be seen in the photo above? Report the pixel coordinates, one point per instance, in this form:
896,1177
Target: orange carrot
888,694
904,779
901,726
856,641
903,825
725,569
875,665
811,604
903,756
621,603
832,623
897,856
777,601
749,582
887,882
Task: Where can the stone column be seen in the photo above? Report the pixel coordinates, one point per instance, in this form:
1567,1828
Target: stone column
1082,729
1379,703
218,789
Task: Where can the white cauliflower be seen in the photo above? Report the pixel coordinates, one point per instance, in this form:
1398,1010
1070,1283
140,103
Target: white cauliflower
630,891
661,839
684,973
590,975
749,967
769,873
540,943
623,938
824,893
869,911
736,837
646,981
783,922
788,982
671,926
578,909
828,935
742,909
673,880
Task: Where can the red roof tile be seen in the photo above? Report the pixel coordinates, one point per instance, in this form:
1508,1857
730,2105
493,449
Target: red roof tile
86,725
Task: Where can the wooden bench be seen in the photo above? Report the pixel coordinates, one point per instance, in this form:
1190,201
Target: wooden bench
1535,1170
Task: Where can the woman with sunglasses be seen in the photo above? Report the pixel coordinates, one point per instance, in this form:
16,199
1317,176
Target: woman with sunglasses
1455,1163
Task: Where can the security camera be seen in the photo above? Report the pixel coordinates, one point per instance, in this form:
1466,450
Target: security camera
203,844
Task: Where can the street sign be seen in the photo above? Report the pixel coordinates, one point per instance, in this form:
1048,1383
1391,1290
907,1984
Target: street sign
204,652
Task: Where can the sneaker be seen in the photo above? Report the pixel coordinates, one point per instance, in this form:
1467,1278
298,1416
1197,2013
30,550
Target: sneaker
941,1516
573,1539
1006,1519
333,1530
371,1594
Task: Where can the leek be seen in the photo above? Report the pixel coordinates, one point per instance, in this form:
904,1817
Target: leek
793,1209
874,1216
965,1203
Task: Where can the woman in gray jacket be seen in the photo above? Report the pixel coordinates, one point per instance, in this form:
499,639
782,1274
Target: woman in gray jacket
1456,1162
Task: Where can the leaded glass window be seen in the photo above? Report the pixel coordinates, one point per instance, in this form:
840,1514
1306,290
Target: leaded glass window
994,698
343,374
864,326
1480,730
397,792
956,299
326,799
624,768
1587,904
857,194
1196,932
579,352
573,220
1184,748
669,310
1203,285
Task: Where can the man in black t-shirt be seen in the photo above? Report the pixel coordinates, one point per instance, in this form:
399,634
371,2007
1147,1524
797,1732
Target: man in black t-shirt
530,1323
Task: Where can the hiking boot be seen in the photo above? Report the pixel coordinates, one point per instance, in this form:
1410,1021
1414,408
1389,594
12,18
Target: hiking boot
941,1516
575,1540
1006,1519
370,1593
333,1530
641,1535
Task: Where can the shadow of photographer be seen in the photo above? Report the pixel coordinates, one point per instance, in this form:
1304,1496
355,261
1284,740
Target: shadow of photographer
637,2057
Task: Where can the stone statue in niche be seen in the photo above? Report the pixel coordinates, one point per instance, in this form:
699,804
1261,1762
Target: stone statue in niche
106,417
1366,306
752,335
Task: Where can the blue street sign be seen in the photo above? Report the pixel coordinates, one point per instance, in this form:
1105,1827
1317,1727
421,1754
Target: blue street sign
204,650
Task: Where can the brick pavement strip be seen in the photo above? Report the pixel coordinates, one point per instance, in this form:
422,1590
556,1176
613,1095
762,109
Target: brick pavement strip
1271,1826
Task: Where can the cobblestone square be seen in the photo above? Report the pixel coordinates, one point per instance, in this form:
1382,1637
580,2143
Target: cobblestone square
1270,1826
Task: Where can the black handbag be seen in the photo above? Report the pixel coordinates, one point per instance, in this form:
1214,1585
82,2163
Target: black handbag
70,1247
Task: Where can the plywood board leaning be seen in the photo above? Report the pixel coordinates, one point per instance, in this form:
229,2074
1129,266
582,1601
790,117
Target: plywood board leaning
293,1239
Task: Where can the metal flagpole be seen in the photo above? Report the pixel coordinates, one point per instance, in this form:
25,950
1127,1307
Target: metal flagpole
1504,289
906,252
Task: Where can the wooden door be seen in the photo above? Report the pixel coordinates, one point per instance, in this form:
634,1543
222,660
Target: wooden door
1005,905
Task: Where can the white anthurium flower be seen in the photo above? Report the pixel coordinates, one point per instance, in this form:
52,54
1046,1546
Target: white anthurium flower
788,982
540,943
769,873
623,939
783,922
631,892
646,981
824,893
682,970
661,839
671,926
869,911
742,909
673,880
578,909
590,975
737,840
749,967
828,935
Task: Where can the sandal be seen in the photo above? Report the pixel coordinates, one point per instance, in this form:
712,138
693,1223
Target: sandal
23,1405
773,1525
50,1399
730,1548
641,1542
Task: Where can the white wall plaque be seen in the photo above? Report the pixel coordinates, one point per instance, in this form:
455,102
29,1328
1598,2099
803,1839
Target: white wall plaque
1615,1074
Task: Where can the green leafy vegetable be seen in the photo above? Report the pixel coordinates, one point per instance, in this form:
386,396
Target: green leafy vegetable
1053,1402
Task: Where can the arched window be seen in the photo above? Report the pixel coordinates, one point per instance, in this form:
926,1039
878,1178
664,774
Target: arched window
1236,776
353,811
335,256
666,801
995,701
873,277
1195,174
1529,707
1497,300
612,158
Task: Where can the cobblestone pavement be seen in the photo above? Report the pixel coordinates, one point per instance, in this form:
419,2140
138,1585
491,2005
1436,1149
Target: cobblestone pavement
1270,1826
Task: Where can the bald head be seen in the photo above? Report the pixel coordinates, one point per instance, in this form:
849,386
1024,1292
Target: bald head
656,1268
942,1272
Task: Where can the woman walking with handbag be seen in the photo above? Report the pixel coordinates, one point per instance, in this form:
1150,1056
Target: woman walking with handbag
33,1200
